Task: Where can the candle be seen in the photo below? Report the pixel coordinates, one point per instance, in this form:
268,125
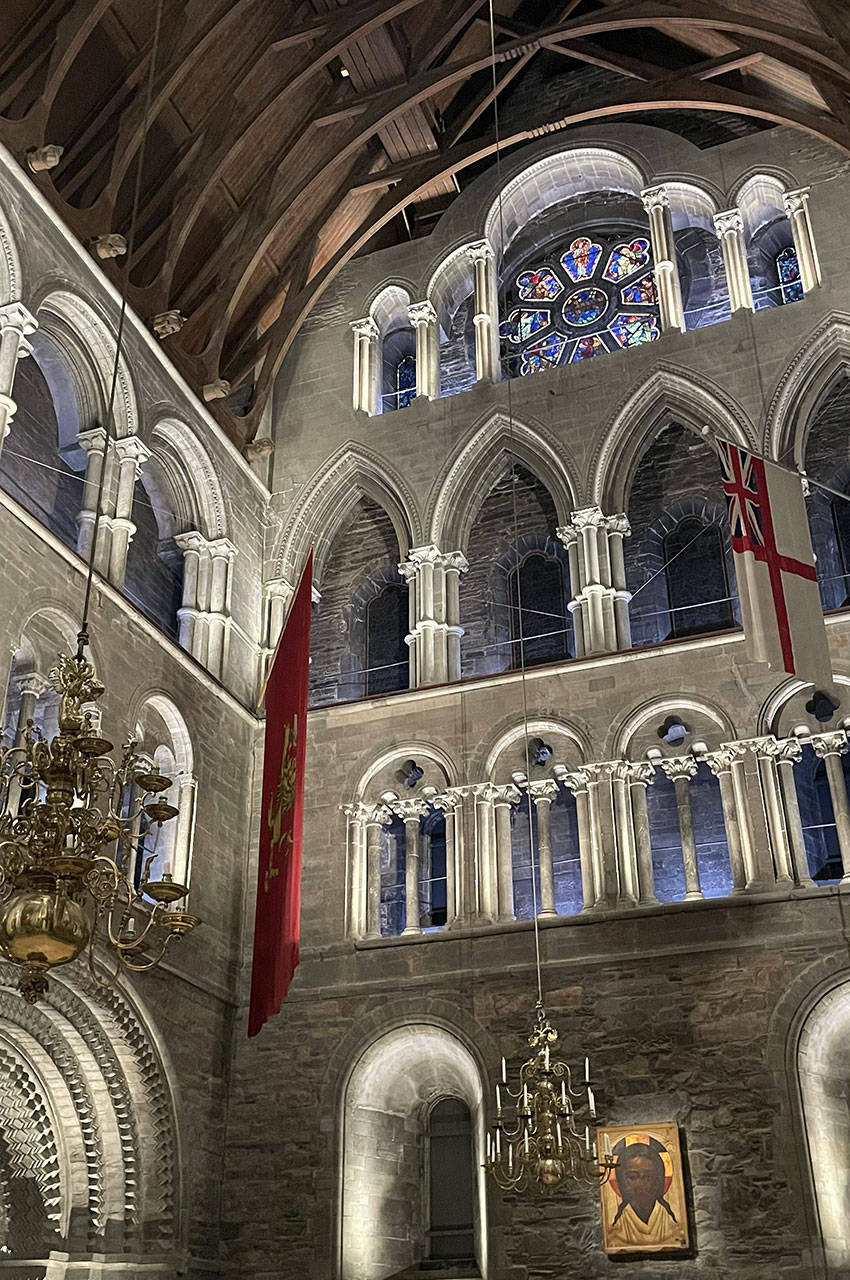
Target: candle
166,871
489,1149
546,1058
607,1146
559,1135
591,1102
526,1142
587,1069
525,1095
498,1100
563,1095
504,1072
498,1146
130,929
587,1136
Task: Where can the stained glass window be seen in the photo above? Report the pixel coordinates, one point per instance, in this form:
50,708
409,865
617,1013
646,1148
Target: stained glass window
615,304
543,355
789,275
626,258
522,323
405,381
540,285
581,258
630,331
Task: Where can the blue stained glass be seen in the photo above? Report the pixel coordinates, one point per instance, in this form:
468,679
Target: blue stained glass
789,275
581,258
539,285
640,293
630,331
543,355
524,323
585,305
405,381
587,347
626,258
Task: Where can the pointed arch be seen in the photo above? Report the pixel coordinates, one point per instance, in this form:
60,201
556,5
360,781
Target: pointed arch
477,463
197,497
694,402
327,500
822,357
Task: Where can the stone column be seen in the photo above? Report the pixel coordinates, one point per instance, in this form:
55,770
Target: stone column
641,773
435,632
410,812
730,229
423,317
367,365
486,316
626,851
603,832
767,750
277,592
749,852
15,323
797,208
790,753
357,887
222,554
485,838
131,455
830,747
503,799
720,763
600,603
656,201
194,546
543,793
578,783
375,820
451,803
187,789
680,770
94,443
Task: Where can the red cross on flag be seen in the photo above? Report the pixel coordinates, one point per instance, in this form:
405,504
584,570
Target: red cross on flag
775,566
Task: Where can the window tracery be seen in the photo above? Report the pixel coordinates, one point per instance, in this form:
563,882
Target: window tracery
616,300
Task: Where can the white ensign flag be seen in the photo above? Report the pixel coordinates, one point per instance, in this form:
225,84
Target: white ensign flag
775,566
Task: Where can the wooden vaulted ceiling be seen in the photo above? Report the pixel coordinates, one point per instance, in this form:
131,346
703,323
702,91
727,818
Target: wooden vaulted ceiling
284,137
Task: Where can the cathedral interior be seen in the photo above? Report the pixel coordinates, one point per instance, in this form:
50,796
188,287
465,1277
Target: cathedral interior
290,275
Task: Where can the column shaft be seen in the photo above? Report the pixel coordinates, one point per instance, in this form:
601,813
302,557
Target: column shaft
542,794
411,875
730,229
793,823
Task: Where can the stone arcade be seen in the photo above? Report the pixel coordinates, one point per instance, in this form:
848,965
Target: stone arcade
486,389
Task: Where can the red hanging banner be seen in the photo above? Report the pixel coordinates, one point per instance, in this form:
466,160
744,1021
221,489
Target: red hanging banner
278,916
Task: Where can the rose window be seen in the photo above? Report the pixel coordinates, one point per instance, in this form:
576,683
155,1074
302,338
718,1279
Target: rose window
598,295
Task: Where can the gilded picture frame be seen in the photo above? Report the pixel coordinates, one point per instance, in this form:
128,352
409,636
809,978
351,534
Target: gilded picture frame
643,1200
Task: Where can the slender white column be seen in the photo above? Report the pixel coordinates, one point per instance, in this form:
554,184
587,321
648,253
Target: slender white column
641,774
410,812
680,770
830,747
543,793
730,228
485,837
603,832
15,323
752,871
626,851
193,545
790,753
486,317
451,805
720,763
93,442
600,603
367,365
577,783
767,749
656,201
435,631
131,455
356,889
503,799
222,553
797,208
187,790
423,317
376,819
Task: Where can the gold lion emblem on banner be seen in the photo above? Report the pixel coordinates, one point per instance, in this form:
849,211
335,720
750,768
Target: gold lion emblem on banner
282,802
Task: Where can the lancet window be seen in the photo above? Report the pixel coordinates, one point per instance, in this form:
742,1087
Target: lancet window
697,582
594,296
788,270
537,611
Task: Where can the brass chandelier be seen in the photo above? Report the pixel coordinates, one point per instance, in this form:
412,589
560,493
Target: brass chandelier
80,830
545,1140
70,841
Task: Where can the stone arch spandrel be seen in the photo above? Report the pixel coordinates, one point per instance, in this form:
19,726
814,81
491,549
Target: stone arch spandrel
327,500
192,478
666,395
619,745
506,738
823,356
444,772
470,475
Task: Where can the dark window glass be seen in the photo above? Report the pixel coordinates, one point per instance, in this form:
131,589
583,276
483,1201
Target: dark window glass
386,650
538,583
697,586
452,1199
841,521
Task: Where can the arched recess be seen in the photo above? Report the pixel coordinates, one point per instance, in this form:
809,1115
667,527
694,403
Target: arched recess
824,356
822,1053
666,394
194,485
378,776
396,344
476,463
89,1158
96,337
637,731
163,737
767,232
387,1097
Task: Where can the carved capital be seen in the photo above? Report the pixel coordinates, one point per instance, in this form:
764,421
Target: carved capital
796,201
729,222
365,328
409,810
679,767
377,815
481,251
223,549
168,322
93,440
506,795
790,749
829,744
641,772
657,197
720,761
618,524
576,781
14,315
543,789
191,541
588,518
32,682
132,448
422,313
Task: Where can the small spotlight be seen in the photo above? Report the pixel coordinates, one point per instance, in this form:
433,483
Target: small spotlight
344,72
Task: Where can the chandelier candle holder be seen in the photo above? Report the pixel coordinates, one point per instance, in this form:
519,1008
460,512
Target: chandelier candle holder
541,1134
68,836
